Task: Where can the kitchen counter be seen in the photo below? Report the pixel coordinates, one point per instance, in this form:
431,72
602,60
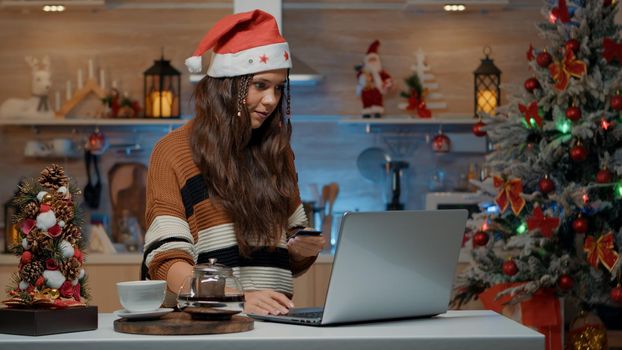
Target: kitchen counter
459,330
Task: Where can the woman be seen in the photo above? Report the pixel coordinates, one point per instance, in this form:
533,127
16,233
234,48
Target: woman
224,185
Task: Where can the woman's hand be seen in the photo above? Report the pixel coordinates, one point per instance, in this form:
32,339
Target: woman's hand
301,247
266,302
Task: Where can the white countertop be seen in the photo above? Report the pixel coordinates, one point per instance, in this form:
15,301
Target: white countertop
460,330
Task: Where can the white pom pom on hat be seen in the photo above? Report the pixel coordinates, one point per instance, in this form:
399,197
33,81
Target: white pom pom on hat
243,43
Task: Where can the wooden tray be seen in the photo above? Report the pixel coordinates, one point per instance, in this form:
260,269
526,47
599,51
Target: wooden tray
180,323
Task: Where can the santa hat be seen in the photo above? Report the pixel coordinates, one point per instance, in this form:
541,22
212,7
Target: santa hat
243,43
373,48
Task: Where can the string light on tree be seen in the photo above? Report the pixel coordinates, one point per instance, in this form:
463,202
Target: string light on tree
522,228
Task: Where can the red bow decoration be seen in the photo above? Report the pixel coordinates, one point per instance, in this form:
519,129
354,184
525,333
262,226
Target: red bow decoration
561,12
612,50
531,112
530,55
418,105
545,224
601,250
27,225
509,193
569,66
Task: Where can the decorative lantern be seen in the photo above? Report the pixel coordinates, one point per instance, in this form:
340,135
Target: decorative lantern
162,90
487,85
11,235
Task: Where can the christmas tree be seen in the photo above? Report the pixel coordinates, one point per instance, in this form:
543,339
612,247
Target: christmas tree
422,93
557,168
50,248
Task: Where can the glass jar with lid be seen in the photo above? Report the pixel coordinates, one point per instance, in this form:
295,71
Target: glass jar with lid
211,285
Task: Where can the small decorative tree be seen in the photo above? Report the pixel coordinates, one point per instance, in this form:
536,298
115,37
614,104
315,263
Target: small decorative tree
50,273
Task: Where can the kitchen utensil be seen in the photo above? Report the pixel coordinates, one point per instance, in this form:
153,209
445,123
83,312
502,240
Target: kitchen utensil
92,192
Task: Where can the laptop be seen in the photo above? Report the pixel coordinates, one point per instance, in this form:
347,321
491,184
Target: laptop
388,265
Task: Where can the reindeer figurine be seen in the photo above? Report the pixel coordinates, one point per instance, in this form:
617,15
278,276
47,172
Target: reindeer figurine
36,106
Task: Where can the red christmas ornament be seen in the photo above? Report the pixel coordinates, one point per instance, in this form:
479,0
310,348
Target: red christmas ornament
580,225
531,84
480,238
477,129
510,268
565,282
441,143
616,102
604,176
546,185
616,294
26,257
544,59
573,45
578,153
573,113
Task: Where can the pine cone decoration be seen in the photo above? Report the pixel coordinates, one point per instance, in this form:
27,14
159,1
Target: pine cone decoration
70,268
53,177
38,241
72,231
31,210
63,210
30,272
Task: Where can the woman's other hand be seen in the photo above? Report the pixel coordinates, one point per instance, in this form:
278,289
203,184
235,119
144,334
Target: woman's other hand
301,247
266,302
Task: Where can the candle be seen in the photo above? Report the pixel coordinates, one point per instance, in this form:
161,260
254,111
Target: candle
163,100
80,83
487,101
114,84
57,100
102,79
68,91
91,71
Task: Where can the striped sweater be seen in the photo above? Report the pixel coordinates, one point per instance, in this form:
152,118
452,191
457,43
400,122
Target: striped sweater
186,225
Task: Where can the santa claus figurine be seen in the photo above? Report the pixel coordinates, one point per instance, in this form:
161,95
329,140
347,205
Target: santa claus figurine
373,83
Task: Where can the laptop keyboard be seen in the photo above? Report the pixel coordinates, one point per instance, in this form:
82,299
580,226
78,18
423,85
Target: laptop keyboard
306,314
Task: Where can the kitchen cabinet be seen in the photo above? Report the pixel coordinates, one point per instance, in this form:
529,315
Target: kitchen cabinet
105,270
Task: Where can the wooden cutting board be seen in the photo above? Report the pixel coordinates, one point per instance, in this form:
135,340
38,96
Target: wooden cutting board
180,323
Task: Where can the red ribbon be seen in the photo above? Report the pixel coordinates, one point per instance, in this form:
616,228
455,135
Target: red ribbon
542,311
563,70
561,12
545,224
418,105
601,250
509,193
530,112
612,50
27,225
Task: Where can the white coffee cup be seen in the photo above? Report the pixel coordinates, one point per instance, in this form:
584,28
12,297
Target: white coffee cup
35,148
62,147
141,296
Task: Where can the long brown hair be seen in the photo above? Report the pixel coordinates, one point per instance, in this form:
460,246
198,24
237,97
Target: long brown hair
250,172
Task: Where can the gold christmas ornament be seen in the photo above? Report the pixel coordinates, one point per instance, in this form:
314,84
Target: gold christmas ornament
47,198
587,332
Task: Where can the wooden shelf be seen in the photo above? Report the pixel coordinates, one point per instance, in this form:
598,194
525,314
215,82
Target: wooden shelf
400,124
93,122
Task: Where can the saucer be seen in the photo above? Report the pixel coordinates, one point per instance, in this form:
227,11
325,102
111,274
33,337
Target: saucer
142,314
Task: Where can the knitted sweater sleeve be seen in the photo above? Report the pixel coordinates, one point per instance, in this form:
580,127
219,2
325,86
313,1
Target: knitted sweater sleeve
168,238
